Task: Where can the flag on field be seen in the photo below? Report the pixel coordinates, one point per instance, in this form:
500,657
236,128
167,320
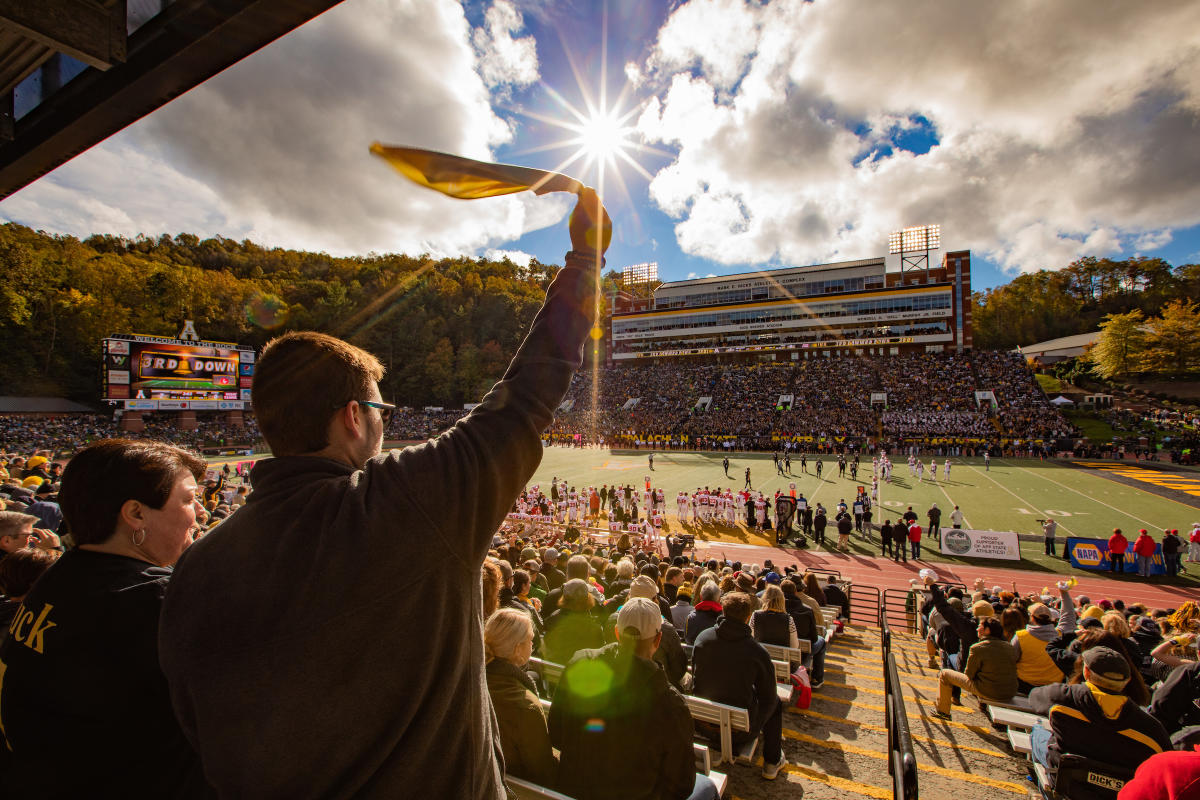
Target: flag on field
468,179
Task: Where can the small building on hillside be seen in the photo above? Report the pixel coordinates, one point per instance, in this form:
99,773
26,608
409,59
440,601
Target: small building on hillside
1054,350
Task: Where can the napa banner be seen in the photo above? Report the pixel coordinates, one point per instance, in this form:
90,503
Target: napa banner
981,544
1093,554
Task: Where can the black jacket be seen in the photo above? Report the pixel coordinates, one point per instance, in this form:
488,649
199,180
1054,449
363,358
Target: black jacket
802,615
834,596
1174,703
730,667
960,622
602,737
1106,727
701,619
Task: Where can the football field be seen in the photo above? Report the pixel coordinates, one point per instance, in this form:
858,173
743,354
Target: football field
1087,498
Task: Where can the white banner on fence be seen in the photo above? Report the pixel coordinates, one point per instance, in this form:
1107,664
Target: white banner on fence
981,544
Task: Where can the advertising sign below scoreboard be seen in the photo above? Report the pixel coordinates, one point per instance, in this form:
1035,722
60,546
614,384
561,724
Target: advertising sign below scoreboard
175,371
981,544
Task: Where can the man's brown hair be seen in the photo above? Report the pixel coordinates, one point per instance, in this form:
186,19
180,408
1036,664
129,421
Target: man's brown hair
738,606
301,379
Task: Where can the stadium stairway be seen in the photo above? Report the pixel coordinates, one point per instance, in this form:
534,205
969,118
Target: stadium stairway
838,748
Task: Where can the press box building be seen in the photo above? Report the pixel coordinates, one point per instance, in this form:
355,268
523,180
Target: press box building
916,298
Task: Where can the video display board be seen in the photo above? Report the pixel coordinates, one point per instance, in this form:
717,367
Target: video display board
154,368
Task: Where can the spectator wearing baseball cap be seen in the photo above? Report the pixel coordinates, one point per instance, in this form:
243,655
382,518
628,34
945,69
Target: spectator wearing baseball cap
1094,719
572,627
554,575
670,650
600,726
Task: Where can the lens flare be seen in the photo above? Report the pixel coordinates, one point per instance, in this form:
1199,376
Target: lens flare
266,310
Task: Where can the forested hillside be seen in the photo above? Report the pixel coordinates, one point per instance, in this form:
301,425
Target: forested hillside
445,329
1047,304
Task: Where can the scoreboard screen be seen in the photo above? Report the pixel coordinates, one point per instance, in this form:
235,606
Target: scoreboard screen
155,368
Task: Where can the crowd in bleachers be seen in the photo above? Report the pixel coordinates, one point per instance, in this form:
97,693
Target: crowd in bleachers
1109,684
66,433
927,396
570,588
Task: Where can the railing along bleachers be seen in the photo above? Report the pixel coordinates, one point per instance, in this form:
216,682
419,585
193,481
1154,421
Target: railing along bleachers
902,762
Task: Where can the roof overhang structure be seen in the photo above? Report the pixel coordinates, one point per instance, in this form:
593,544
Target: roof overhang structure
74,72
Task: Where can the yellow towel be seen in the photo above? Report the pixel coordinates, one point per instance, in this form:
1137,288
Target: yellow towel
468,179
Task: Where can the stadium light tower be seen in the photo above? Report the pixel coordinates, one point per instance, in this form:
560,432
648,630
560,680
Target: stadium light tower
914,246
640,280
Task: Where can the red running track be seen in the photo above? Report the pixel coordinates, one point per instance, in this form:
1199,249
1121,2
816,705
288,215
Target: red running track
885,574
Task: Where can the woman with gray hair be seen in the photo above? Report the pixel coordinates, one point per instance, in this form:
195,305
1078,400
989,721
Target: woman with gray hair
706,612
524,739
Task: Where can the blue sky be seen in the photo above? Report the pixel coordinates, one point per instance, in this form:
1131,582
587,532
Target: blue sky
771,133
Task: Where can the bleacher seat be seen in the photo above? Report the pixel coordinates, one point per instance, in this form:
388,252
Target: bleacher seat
1019,741
1021,720
728,719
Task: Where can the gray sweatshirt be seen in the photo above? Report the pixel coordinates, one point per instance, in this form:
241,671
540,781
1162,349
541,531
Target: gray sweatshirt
326,641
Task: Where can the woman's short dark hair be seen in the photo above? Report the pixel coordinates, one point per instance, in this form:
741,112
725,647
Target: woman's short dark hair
994,627
106,474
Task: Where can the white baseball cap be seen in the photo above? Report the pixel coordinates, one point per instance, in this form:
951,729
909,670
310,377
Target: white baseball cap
641,617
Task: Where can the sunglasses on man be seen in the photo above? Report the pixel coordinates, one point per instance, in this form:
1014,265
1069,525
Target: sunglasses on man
385,409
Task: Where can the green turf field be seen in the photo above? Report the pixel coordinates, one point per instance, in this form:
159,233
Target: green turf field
1011,496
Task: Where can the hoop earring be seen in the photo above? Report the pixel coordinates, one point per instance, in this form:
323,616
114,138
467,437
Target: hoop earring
136,541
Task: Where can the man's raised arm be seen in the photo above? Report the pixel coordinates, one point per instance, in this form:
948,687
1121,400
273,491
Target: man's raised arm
468,477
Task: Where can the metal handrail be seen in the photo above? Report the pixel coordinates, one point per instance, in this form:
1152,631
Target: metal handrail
864,604
902,763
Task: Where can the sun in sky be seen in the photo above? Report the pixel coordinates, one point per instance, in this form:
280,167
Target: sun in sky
600,135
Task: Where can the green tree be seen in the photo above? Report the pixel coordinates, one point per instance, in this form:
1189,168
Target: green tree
1172,341
439,371
1118,350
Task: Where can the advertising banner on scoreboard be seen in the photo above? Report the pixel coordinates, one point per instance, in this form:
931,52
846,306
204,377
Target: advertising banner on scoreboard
1093,554
141,405
981,544
157,368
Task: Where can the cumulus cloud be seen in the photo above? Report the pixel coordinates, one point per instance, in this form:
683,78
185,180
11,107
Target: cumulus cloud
1062,129
275,148
518,257
503,60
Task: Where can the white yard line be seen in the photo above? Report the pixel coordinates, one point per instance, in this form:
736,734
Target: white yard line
1089,497
1023,501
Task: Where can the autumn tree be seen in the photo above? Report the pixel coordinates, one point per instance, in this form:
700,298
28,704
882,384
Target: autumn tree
1172,341
1118,350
